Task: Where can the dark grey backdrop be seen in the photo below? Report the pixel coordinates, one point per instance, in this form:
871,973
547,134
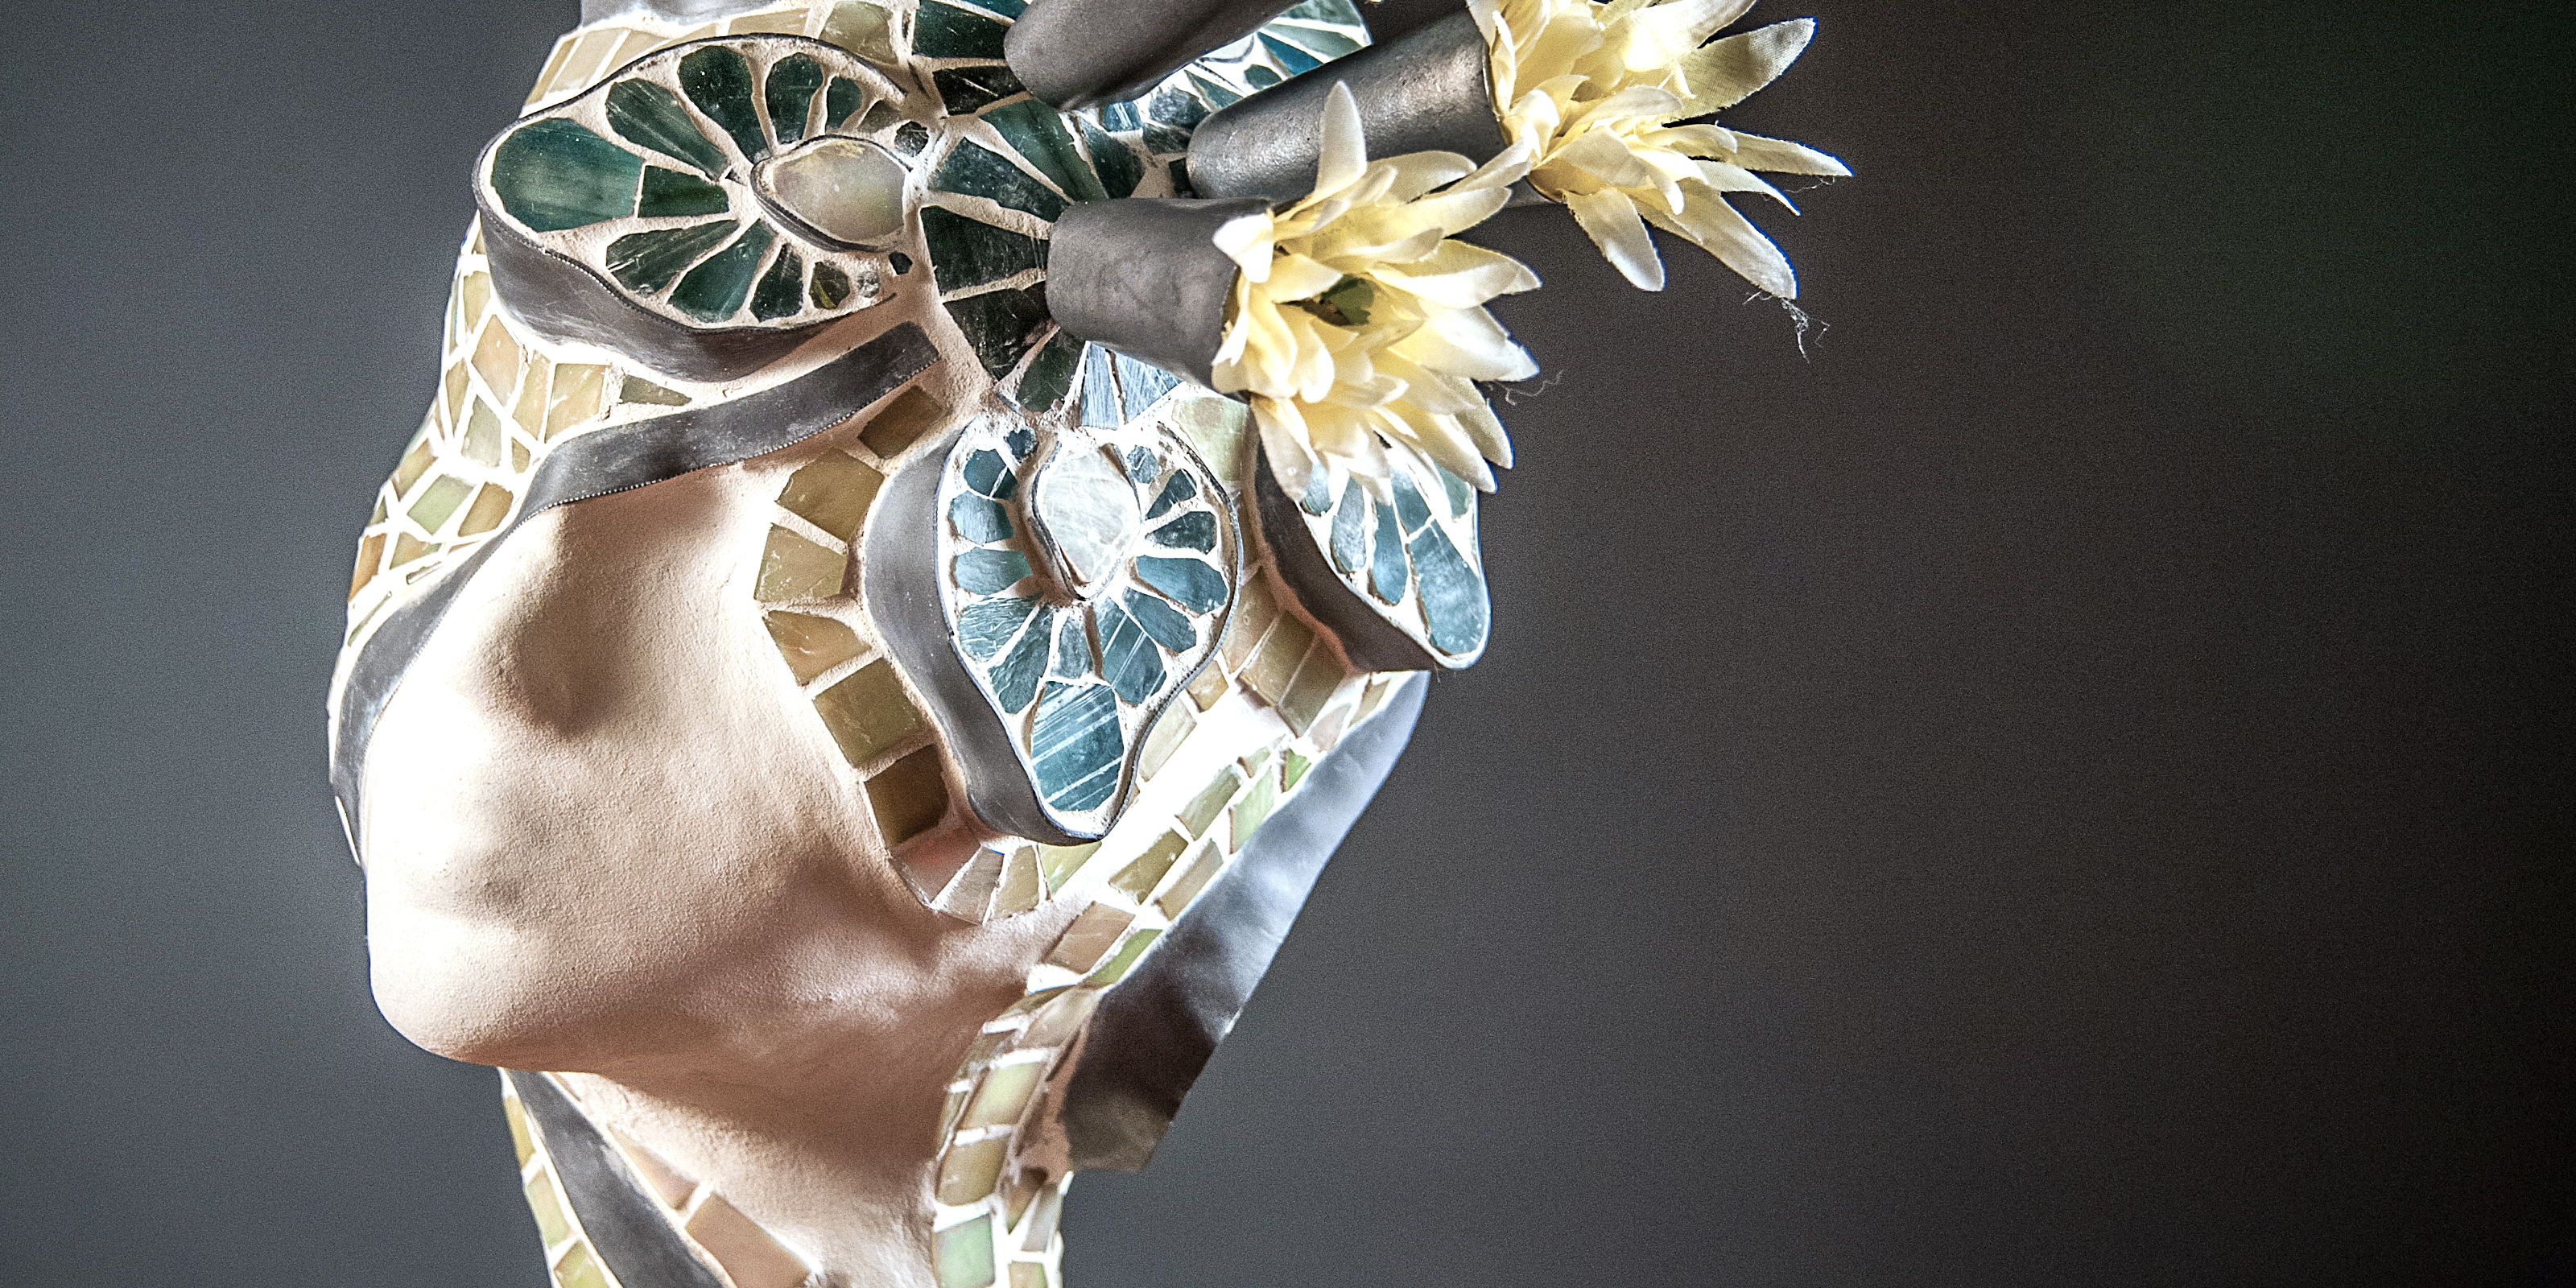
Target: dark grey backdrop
2062,785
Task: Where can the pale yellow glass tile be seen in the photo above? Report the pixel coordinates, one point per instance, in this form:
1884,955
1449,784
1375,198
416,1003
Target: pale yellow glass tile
1028,1274
913,413
1002,1095
749,1256
1275,664
1020,890
408,547
1062,1018
491,505
547,1206
1314,686
1208,687
483,434
811,645
909,797
520,1141
496,358
554,64
1088,938
580,1268
1030,1003
1168,734
868,712
792,567
1253,810
1328,731
781,22
371,560
1139,878
948,1116
637,389
529,407
1220,427
1057,863
668,1183
1202,809
961,1256
415,463
636,45
1041,1231
438,501
863,29
579,393
518,457
1203,868
1124,960
970,1172
476,292
833,494
1251,617
451,387
1018,1193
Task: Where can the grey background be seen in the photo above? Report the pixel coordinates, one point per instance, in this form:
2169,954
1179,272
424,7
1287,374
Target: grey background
2064,784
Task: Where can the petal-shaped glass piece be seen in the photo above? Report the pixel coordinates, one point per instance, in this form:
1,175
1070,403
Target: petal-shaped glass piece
847,190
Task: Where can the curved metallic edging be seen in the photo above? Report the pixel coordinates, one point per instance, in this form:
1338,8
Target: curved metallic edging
620,459
1155,1030
1143,276
1368,639
1083,53
1430,91
622,1222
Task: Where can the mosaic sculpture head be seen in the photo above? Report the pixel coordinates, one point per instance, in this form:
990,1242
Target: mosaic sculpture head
906,579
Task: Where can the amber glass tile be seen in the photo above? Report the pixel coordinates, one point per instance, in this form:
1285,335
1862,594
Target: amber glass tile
636,389
529,406
496,356
579,393
371,557
913,413
415,463
1275,664
1001,1096
792,567
1062,1018
910,797
547,1206
518,457
483,434
1203,868
970,1172
580,1268
1314,686
1020,890
1057,863
1088,937
1168,734
1203,808
491,505
868,712
749,1256
961,1256
1139,878
1208,687
811,645
451,384
1252,616
833,494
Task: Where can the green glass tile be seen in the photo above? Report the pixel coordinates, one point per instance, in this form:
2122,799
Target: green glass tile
715,290
910,797
1162,621
842,98
645,113
987,571
792,82
1128,658
902,263
1204,807
1037,133
984,627
831,287
1410,509
1340,13
580,1268
1015,678
1460,494
974,170
1006,8
945,31
1292,769
877,119
782,289
1162,140
646,262
1139,878
1453,596
979,519
1194,584
1290,57
1260,77
1252,811
833,493
718,80
1050,377
863,29
1204,865
986,472
911,137
1002,326
555,175
1124,960
1388,576
965,252
1350,529
1075,745
964,89
792,567
441,500
1058,863
669,192
1192,531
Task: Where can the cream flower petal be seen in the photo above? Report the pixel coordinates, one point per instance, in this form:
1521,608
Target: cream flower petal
1610,220
1461,275
1726,177
1344,156
1726,72
1295,277
1780,156
1246,240
1717,228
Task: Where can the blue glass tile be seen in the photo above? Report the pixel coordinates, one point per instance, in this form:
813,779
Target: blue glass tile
1037,133
978,519
1048,379
1099,389
1215,93
1015,678
983,628
1072,649
1194,584
1387,576
555,175
1453,596
987,572
1128,659
1323,44
1142,465
1461,494
967,252
1193,531
988,473
963,89
1180,489
1075,745
1291,57
1341,13
974,170
943,31
669,193
792,82
718,80
1006,8
1319,494
1163,622
645,113
1350,529
1021,441
1174,108
1118,167
1260,77
1142,383
1121,118
1410,508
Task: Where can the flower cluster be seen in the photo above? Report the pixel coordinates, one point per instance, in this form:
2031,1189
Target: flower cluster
1592,90
1358,325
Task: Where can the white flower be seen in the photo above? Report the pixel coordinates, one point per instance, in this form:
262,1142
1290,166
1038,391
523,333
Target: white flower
1592,88
1358,325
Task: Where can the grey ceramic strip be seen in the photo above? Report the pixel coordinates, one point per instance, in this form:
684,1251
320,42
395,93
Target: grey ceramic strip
1156,1029
620,460
624,1223
1082,53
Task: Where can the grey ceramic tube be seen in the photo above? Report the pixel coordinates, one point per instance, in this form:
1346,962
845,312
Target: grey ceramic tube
1143,276
1082,53
1428,92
